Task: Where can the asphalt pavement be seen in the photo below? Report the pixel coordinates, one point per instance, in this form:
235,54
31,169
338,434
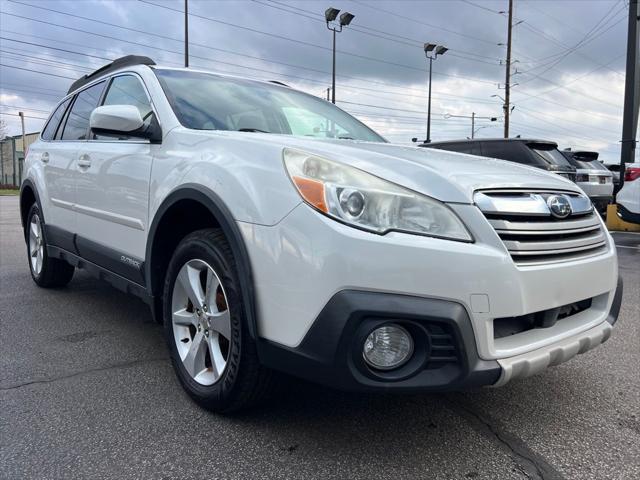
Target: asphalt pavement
87,391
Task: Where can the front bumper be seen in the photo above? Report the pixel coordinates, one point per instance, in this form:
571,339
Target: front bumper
303,262
445,357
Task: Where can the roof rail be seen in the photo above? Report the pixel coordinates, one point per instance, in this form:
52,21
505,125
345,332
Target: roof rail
278,82
116,64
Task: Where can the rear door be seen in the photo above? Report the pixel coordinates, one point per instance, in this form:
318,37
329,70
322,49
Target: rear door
58,168
113,188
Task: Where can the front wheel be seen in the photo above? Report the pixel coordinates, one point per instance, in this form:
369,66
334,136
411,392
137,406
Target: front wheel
212,352
46,271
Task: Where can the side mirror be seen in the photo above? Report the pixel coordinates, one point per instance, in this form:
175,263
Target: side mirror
123,120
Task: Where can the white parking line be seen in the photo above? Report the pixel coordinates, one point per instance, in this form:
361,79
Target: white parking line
627,246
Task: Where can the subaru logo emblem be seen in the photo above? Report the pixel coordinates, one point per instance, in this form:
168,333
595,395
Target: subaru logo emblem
559,206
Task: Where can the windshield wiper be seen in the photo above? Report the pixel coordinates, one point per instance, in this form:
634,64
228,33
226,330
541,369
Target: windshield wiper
252,130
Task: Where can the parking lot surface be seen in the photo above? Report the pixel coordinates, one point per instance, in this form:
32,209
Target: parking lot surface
87,391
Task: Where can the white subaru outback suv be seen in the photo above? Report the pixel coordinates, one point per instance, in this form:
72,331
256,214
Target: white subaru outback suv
271,231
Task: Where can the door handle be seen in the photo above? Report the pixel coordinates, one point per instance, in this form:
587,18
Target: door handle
44,158
84,161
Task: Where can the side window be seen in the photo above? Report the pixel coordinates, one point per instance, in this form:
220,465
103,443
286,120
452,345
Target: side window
77,124
52,125
127,90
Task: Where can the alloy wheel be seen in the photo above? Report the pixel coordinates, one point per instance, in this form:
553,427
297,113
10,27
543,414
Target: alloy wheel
201,321
36,244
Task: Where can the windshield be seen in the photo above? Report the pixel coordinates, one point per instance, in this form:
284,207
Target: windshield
550,155
204,101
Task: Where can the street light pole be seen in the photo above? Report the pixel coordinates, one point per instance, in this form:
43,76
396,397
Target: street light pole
473,124
333,71
429,103
330,15
186,33
473,121
24,150
432,51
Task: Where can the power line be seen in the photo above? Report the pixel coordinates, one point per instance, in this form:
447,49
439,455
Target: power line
564,85
301,42
24,108
226,51
578,45
431,25
26,116
377,33
36,71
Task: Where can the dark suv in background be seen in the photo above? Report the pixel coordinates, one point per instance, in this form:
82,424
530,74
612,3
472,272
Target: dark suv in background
536,153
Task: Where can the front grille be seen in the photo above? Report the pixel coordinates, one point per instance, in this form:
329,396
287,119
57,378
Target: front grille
532,235
505,327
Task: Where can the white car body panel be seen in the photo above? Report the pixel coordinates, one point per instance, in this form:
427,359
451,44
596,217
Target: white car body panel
309,257
301,258
112,194
629,194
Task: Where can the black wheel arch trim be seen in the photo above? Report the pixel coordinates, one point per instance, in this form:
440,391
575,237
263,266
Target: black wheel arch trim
219,210
28,183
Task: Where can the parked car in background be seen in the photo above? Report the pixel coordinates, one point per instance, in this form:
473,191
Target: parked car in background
614,168
536,153
628,198
593,177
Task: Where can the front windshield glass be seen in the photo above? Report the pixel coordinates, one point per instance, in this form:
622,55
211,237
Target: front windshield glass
204,101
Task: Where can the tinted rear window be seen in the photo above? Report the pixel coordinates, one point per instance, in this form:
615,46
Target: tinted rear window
549,154
77,124
511,151
50,130
462,147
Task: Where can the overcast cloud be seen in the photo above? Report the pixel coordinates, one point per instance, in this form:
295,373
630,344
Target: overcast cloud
570,58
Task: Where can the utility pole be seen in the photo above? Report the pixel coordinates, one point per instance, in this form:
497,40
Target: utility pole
186,33
507,75
631,91
24,150
328,92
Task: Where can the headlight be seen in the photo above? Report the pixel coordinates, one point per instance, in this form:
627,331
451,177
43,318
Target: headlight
365,201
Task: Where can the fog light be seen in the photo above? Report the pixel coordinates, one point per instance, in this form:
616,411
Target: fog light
388,347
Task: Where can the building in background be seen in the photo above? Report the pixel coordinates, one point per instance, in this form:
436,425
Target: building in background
12,158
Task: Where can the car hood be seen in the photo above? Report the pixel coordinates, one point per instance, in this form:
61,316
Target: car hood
446,176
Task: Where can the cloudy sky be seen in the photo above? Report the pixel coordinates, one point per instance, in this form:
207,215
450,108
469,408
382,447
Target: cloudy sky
569,58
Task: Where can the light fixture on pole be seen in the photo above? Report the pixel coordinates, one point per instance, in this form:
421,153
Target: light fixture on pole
345,19
432,51
473,118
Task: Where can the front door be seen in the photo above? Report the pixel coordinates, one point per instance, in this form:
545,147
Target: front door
112,188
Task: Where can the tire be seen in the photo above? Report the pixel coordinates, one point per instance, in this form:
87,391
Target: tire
47,272
211,349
